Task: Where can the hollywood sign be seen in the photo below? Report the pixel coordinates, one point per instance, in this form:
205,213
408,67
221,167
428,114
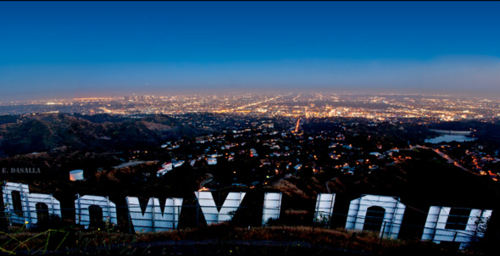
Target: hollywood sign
154,219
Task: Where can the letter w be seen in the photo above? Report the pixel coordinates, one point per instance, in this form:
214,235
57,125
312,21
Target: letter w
153,219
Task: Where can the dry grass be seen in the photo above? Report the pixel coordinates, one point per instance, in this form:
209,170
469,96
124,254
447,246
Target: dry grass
156,126
289,189
333,238
296,212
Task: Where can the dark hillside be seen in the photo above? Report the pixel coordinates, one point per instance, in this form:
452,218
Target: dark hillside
102,118
6,119
27,137
47,132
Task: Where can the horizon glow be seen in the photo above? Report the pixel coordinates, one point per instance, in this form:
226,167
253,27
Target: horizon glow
78,49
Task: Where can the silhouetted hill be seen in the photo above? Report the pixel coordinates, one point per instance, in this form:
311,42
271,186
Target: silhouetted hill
8,119
102,118
45,132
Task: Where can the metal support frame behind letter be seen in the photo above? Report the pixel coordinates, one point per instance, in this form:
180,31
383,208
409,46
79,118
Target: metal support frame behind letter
324,207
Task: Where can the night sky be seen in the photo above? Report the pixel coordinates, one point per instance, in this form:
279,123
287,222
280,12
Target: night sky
80,49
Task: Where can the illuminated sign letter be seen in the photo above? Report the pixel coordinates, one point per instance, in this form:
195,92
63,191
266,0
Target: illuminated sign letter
153,219
383,214
209,209
85,203
438,218
272,207
22,208
324,207
17,205
52,204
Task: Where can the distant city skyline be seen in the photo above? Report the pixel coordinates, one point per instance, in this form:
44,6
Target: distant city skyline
88,49
371,106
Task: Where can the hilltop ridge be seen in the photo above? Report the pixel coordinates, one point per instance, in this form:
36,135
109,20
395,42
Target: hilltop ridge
46,132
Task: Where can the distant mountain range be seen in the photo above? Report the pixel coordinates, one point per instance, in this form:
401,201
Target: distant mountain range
46,132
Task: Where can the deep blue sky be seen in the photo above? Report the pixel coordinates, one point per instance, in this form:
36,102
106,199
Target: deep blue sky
77,49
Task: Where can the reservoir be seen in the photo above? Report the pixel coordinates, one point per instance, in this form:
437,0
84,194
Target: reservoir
450,135
449,138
